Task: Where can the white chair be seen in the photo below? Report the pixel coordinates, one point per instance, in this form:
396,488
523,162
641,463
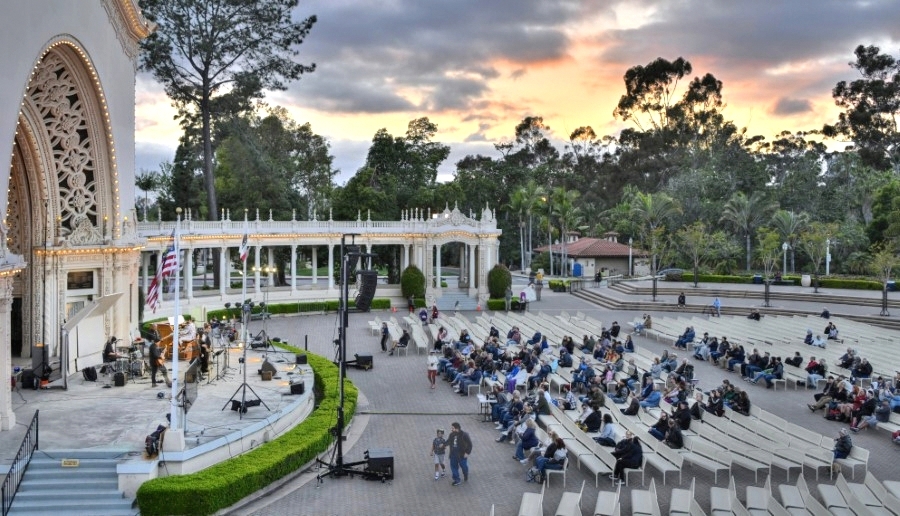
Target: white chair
570,503
548,472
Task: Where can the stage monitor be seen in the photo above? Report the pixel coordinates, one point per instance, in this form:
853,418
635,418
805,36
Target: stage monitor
191,382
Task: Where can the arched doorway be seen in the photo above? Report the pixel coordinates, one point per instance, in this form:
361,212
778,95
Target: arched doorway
63,211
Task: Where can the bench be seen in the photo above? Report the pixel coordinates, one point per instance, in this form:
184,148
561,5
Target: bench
532,504
645,503
570,503
608,503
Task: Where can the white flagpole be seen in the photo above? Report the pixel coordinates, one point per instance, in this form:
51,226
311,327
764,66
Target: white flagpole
244,290
175,414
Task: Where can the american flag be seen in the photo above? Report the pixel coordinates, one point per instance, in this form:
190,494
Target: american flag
166,268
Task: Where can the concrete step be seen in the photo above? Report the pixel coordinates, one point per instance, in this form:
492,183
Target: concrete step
93,453
42,485
75,495
60,506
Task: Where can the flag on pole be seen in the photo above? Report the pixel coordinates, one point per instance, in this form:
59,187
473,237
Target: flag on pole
245,248
164,270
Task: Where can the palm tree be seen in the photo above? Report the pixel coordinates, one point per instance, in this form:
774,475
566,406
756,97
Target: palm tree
789,225
146,181
746,214
568,216
532,194
517,205
651,211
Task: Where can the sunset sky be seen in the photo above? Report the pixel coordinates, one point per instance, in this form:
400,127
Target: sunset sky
478,67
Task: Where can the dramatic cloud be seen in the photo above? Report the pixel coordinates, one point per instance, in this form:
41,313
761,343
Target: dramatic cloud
786,106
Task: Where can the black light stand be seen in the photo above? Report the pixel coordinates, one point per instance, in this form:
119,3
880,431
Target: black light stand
242,407
339,468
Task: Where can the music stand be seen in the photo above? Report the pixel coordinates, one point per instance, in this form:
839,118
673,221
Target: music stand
242,408
219,374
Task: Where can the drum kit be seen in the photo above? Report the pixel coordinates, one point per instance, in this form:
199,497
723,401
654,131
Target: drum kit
130,360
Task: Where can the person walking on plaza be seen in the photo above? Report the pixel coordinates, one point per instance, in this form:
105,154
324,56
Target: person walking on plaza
385,336
717,306
508,298
432,367
438,449
460,448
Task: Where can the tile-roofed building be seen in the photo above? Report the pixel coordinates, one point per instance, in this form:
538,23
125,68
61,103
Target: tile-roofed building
596,254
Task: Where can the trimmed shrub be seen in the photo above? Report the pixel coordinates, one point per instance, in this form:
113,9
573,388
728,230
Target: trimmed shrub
499,278
412,282
226,483
559,285
496,304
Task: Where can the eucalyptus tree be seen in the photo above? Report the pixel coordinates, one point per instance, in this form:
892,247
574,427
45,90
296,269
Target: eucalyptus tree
696,244
789,225
746,214
202,48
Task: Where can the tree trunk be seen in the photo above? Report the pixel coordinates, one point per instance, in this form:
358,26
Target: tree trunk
522,246
209,182
748,251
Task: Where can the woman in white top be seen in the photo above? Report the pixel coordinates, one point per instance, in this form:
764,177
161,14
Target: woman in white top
432,367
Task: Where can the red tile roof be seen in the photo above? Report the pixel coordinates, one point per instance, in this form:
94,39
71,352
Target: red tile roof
593,248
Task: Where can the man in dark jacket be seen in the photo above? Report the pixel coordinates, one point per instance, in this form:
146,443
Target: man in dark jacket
460,448
628,454
674,438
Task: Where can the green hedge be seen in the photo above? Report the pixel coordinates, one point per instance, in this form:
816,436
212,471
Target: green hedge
559,285
831,282
498,305
226,483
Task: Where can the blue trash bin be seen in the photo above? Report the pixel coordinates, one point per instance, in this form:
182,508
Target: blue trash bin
757,279
892,286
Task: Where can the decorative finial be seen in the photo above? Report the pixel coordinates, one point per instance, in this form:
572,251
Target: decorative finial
294,214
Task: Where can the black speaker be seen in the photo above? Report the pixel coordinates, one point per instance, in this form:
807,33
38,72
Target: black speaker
368,282
298,388
380,460
364,361
267,366
119,379
301,359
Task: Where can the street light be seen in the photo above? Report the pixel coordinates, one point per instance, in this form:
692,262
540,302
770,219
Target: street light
784,247
827,256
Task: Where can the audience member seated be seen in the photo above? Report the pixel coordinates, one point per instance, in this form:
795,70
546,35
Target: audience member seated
848,359
614,330
681,300
634,406
517,426
754,315
652,399
774,372
674,438
608,431
831,331
527,440
583,376
685,338
540,375
815,371
628,345
882,414
620,395
818,341
723,348
402,342
553,458
714,404
565,358
741,403
682,414
646,324
755,363
795,360
628,454
863,369
809,337
825,313
697,408
736,356
659,429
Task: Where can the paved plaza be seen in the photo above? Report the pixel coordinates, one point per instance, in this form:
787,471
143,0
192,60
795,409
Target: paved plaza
398,411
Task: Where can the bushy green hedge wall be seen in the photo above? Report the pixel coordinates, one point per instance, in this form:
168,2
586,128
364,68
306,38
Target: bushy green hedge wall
226,483
857,284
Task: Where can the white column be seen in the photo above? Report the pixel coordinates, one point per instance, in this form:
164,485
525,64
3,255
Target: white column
256,264
473,276
189,272
293,268
404,257
7,416
330,266
315,265
224,271
145,274
437,267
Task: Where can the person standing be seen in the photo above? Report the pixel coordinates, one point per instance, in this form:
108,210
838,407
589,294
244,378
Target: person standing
385,336
157,364
717,306
432,368
460,448
438,449
508,297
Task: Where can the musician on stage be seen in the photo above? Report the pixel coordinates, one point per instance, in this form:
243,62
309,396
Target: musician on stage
188,332
157,364
205,346
109,351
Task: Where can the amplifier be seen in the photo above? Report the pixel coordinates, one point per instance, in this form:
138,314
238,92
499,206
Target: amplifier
301,359
298,388
380,460
364,361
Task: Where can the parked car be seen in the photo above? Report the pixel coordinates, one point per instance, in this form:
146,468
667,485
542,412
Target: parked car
665,273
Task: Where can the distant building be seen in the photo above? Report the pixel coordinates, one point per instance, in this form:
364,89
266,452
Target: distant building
588,255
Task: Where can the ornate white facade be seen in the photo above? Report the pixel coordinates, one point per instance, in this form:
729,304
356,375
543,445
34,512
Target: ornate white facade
67,117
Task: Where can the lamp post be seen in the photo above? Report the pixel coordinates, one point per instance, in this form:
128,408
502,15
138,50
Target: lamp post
827,256
269,271
784,248
630,242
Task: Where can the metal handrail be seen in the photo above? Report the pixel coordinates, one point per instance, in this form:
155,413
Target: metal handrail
20,464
